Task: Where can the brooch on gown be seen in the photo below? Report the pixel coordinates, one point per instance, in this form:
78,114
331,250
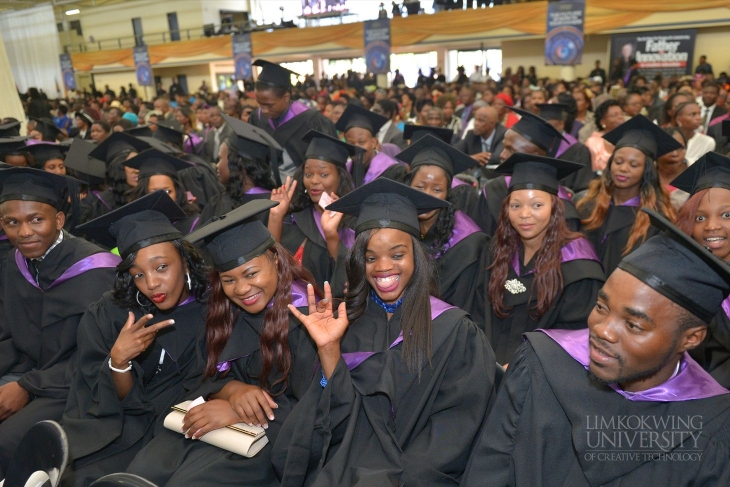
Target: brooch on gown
515,286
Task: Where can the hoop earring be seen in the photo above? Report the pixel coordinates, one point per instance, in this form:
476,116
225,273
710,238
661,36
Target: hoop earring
305,191
138,299
187,278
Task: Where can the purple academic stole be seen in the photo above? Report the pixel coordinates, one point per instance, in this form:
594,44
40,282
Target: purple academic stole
97,261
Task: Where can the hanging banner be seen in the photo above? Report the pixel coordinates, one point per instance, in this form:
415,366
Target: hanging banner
377,46
142,66
67,71
668,53
564,35
242,55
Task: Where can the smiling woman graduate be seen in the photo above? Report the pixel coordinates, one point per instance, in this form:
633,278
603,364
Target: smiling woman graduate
142,345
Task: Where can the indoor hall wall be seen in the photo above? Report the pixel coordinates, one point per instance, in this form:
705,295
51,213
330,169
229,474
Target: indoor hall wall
713,43
196,75
115,80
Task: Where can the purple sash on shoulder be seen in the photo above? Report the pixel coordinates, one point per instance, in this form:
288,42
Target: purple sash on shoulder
566,144
257,190
295,109
195,224
347,235
726,306
580,248
458,182
353,359
635,201
463,227
692,382
97,194
96,261
3,237
562,192
377,166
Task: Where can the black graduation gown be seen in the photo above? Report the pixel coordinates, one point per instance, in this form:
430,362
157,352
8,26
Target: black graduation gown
38,331
201,179
103,432
485,211
378,424
96,204
171,460
539,432
459,272
300,229
578,181
188,224
5,245
223,203
570,309
714,353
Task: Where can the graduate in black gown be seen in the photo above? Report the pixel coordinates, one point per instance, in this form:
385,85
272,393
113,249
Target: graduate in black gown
46,285
539,274
141,347
160,171
705,216
285,120
13,151
89,170
610,209
318,239
622,402
405,377
360,128
530,135
456,243
260,359
48,156
243,169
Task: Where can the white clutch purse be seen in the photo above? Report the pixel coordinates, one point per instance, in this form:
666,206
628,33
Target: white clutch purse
238,438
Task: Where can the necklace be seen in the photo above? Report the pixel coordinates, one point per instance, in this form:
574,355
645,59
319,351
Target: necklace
389,308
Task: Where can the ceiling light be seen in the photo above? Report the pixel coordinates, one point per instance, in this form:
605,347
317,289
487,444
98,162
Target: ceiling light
73,12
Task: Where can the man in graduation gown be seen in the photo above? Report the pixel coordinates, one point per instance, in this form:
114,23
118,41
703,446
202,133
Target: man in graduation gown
621,403
285,120
45,287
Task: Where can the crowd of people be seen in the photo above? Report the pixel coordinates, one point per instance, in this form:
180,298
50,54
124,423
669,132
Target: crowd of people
457,283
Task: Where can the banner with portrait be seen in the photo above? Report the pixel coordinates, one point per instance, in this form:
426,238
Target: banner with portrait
667,53
377,46
242,56
564,35
142,66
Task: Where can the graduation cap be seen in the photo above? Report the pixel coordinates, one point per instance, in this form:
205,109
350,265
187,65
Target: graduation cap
153,161
383,203
169,131
680,269
47,128
330,149
140,131
414,132
356,116
46,151
91,170
274,74
553,111
117,143
250,141
13,145
710,171
27,184
431,151
136,225
536,172
640,133
10,129
236,237
85,116
537,130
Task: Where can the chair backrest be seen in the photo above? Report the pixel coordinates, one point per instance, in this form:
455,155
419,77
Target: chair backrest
122,480
43,449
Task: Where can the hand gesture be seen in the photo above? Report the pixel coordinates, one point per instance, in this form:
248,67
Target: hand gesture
284,196
323,327
330,220
482,158
211,415
134,339
252,404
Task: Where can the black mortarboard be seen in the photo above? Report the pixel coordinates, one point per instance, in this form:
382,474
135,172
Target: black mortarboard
355,116
117,143
330,149
46,151
169,131
383,203
415,132
640,133
136,225
27,184
10,129
680,269
431,151
47,128
250,142
553,111
536,172
236,237
710,171
85,116
89,169
140,131
274,74
13,145
159,145
537,130
152,162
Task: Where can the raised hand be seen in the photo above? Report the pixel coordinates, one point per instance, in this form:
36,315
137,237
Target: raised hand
321,323
134,339
330,220
284,196
211,415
